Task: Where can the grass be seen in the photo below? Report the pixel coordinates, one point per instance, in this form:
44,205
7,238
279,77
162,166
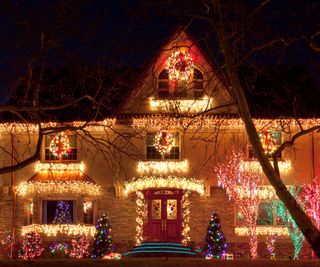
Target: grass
157,262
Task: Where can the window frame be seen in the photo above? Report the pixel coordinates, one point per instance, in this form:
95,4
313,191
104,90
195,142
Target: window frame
61,158
74,208
162,158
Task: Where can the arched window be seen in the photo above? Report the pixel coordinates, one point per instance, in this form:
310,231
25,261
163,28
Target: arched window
197,83
163,84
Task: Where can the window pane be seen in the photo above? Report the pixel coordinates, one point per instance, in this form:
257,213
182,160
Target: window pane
88,212
57,211
265,214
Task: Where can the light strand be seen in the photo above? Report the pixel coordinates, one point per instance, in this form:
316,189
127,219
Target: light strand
185,202
141,214
162,167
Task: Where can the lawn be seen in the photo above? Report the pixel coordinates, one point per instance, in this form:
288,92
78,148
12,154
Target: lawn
155,262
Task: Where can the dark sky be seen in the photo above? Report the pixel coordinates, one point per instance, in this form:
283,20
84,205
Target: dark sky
122,33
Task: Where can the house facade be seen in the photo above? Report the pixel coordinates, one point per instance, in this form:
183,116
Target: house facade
151,168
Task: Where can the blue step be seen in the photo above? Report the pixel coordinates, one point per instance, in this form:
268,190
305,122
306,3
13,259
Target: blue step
160,249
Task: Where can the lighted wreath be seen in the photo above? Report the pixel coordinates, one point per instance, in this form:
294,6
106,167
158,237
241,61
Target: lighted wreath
60,145
163,142
180,66
268,141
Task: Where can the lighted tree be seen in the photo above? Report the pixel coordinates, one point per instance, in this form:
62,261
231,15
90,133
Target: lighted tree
294,232
271,240
310,197
216,242
80,247
102,239
242,186
31,246
62,213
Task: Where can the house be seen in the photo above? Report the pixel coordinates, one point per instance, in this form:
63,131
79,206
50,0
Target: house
157,182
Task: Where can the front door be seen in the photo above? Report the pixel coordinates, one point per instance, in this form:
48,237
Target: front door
164,215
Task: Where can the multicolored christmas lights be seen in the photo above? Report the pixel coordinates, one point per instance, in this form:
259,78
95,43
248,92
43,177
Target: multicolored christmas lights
31,246
102,244
269,143
60,145
271,240
80,247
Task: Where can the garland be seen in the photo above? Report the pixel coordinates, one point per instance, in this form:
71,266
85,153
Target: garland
163,142
268,141
180,66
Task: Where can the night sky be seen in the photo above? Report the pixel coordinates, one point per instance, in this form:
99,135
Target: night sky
128,34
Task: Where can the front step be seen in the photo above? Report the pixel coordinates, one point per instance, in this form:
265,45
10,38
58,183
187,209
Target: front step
154,249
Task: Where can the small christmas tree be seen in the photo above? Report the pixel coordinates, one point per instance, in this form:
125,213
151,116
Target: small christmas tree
80,247
31,246
102,239
216,242
62,213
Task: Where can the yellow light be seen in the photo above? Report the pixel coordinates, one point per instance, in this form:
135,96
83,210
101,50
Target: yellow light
141,216
162,167
58,187
59,166
146,182
284,166
185,218
54,229
95,126
179,105
263,230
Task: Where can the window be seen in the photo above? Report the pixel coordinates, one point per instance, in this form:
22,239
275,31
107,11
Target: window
88,212
163,84
265,214
72,154
58,211
197,83
277,137
153,154
28,213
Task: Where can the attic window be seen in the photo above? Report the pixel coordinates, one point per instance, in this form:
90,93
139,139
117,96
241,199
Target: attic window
197,83
163,84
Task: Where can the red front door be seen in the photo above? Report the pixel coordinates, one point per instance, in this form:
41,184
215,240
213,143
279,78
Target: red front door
164,215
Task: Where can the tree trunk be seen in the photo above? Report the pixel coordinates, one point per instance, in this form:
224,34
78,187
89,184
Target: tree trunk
311,233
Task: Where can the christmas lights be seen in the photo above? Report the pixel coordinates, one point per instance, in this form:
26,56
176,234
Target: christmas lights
79,247
263,231
163,142
86,205
94,126
185,203
112,256
263,192
242,187
60,145
62,213
162,167
182,105
284,165
271,246
6,243
31,246
146,182
59,167
180,66
268,141
141,215
58,187
58,249
55,229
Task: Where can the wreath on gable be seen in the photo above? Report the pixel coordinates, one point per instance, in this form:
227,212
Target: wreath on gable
163,142
59,145
268,141
180,66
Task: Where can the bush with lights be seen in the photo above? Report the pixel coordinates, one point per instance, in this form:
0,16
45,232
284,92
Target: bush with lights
31,246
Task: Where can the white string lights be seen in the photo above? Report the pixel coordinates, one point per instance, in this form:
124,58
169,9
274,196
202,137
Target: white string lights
58,187
55,229
141,214
263,231
185,202
284,166
162,167
52,167
147,182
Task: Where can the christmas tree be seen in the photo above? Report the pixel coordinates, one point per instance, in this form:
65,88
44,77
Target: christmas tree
102,239
62,213
31,246
216,242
